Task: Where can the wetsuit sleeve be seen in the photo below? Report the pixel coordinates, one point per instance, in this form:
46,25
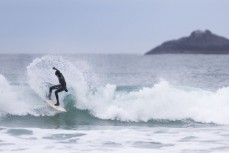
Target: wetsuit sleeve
55,69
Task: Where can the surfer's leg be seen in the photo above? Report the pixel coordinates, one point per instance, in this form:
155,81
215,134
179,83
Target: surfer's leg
57,97
51,88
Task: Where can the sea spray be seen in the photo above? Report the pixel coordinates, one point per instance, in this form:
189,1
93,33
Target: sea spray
162,101
13,102
127,110
41,77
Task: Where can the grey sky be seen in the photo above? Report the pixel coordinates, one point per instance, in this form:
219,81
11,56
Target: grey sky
104,26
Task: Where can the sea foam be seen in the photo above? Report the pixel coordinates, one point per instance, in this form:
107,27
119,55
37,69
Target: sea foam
162,101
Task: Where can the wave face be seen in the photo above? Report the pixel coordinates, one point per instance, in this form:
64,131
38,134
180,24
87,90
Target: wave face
87,103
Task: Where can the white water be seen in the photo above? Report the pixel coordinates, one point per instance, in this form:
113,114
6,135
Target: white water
11,102
116,139
162,101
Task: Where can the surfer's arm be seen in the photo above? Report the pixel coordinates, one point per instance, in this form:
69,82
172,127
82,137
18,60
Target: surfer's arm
55,69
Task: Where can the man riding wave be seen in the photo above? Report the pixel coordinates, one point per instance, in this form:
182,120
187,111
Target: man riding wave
60,87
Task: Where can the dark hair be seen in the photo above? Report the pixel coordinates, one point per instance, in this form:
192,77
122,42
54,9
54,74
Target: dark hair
57,73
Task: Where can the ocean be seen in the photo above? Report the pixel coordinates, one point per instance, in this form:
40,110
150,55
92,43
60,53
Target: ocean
115,103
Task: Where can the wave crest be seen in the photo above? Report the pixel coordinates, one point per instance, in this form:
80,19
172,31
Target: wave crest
162,101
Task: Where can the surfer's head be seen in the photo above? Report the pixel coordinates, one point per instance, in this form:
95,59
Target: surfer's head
57,73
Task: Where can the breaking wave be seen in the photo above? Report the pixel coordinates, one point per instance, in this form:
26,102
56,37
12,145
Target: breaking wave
162,101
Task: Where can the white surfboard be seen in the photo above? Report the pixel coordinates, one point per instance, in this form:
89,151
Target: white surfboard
52,104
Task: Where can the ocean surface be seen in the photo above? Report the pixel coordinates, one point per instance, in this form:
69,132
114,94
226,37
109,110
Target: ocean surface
115,103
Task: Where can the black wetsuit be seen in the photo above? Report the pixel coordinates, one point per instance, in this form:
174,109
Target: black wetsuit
60,87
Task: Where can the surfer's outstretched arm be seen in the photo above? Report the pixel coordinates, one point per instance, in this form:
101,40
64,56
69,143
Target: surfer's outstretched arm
55,69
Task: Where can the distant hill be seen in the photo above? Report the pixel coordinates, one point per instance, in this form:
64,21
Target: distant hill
199,42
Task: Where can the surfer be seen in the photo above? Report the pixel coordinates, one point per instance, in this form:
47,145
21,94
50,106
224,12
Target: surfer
60,87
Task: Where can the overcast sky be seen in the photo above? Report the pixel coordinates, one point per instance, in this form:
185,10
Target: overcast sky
104,26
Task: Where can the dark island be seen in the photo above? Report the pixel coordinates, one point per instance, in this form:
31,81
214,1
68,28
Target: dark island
199,42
